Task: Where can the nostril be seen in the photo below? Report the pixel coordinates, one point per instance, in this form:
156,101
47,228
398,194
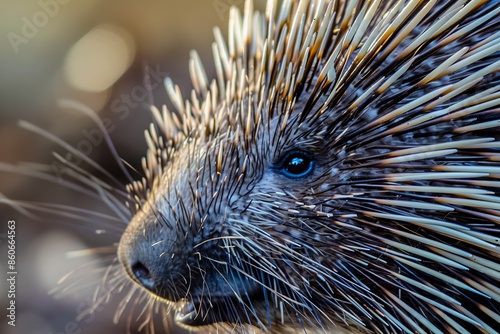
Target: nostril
143,275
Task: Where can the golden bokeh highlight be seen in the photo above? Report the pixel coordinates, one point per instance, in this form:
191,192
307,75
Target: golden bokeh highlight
99,59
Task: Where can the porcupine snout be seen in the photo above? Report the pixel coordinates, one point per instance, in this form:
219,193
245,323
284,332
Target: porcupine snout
152,259
174,246
156,249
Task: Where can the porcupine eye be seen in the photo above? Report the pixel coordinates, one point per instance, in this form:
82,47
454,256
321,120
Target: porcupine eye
296,165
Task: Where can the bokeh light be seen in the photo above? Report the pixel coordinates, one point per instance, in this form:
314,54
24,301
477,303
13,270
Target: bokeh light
99,58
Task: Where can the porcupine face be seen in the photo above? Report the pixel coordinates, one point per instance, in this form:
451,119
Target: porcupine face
341,174
212,219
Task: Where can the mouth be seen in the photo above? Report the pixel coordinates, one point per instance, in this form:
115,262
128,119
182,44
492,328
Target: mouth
191,314
197,314
185,313
229,309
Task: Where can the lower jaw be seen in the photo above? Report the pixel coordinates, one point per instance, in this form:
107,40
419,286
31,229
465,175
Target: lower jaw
195,315
187,314
214,312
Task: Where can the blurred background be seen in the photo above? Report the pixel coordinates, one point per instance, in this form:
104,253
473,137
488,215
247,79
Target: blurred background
111,56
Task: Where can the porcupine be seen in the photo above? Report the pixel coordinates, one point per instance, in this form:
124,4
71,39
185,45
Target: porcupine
339,175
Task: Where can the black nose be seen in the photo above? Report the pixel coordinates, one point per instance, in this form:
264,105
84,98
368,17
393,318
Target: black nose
141,255
143,275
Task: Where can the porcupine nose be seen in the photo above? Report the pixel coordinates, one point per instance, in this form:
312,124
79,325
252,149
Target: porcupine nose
144,264
138,263
143,275
153,259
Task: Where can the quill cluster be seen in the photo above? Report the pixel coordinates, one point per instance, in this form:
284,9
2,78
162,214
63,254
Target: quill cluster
340,173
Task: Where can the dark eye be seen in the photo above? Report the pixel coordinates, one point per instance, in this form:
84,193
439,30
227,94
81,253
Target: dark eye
296,165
